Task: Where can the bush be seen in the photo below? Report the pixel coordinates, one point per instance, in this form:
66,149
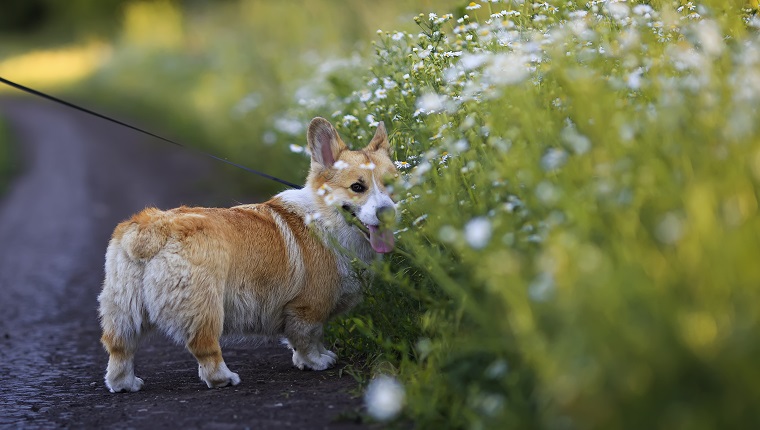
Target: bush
579,214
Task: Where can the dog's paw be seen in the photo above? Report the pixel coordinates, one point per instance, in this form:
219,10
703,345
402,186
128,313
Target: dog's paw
332,355
220,377
315,360
129,385
231,379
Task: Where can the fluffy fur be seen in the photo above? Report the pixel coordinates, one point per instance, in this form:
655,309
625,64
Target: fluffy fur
278,268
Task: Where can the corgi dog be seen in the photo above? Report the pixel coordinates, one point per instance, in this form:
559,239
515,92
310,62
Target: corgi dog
279,268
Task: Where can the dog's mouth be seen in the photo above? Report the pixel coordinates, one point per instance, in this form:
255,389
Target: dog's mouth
381,239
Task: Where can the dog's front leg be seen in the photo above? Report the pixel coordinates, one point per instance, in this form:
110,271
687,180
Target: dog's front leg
305,339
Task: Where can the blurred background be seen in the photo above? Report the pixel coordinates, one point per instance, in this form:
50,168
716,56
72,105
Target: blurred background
213,74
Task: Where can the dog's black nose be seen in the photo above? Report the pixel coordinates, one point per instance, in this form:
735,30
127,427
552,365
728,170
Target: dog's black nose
386,214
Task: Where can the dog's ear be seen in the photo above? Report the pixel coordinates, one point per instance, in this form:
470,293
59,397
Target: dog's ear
324,142
380,141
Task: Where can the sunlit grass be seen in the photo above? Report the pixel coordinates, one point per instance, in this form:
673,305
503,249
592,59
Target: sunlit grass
55,67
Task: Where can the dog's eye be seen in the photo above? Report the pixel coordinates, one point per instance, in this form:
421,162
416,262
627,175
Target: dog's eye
358,188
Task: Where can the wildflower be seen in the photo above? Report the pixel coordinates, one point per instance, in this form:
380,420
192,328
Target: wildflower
384,398
348,119
288,125
402,165
472,6
473,61
477,232
371,120
397,36
553,159
507,69
309,218
340,165
324,189
643,10
670,229
447,233
296,148
381,93
431,102
367,166
420,219
710,37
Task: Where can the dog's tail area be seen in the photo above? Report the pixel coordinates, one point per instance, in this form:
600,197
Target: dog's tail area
144,235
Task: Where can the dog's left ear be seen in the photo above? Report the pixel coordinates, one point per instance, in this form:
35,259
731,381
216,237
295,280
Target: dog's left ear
380,141
324,143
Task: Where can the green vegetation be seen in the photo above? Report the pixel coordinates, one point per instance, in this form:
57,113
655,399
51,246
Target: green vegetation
580,186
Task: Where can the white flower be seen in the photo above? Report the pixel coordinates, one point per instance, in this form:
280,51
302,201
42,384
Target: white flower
384,398
507,69
288,125
402,165
380,93
619,11
642,9
431,102
371,120
309,218
389,83
368,166
670,229
473,61
295,148
710,37
472,6
340,165
477,232
397,36
553,159
348,119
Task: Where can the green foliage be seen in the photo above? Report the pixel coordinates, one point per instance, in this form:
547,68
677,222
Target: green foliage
579,201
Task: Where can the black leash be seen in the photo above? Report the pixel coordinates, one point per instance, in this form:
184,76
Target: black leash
79,108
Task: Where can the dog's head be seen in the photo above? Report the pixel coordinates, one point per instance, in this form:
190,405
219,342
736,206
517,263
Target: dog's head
353,182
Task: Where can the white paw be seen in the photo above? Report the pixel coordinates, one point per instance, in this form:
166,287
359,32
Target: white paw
220,377
333,355
315,360
130,384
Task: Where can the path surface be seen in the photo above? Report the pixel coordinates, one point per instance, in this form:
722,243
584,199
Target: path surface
81,176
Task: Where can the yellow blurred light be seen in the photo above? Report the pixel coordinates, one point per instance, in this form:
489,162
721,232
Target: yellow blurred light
55,66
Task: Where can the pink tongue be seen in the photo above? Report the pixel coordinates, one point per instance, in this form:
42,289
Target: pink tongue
381,240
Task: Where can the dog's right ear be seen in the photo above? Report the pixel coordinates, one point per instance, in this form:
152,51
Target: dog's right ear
324,143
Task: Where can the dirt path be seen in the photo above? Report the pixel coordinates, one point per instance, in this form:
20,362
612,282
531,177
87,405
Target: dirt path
81,177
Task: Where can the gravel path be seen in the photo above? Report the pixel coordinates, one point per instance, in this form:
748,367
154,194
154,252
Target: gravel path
81,176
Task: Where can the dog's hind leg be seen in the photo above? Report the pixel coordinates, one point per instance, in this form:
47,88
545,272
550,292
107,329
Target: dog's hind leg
122,318
204,345
120,374
205,324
